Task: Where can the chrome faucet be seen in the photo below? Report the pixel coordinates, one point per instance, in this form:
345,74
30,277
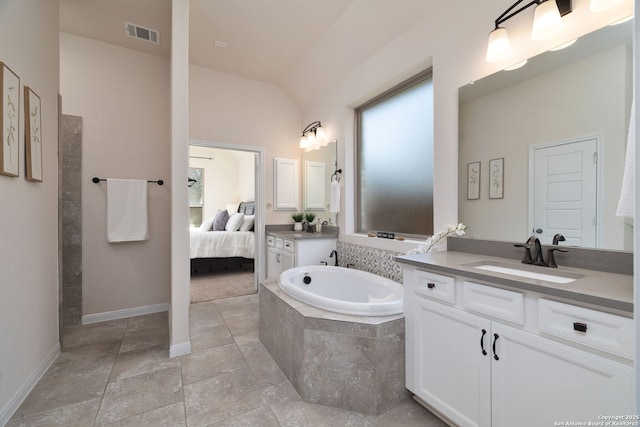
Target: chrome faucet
334,252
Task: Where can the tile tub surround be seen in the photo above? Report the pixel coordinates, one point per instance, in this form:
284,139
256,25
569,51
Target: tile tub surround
349,362
372,260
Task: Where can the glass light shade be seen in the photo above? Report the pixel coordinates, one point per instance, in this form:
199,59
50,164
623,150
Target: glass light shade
320,134
546,20
499,47
304,143
600,5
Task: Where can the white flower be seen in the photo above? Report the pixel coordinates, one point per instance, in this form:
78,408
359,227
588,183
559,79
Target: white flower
436,240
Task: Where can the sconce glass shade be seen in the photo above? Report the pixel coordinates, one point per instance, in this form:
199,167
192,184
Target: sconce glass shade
499,47
320,134
600,5
546,20
304,143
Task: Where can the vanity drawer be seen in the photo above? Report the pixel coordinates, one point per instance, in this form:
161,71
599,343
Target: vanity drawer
271,241
279,242
435,286
496,302
604,331
289,245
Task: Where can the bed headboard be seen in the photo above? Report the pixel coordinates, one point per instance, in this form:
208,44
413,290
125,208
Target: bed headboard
247,208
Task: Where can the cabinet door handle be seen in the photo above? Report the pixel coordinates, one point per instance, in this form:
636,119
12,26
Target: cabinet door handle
495,340
484,332
431,285
580,327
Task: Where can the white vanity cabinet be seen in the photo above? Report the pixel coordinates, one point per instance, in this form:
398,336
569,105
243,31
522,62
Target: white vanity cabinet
284,253
476,357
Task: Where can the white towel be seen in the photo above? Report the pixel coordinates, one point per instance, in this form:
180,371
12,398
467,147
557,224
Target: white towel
334,202
127,210
625,203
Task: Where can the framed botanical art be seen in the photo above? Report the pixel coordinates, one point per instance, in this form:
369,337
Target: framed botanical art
496,178
33,134
473,181
10,95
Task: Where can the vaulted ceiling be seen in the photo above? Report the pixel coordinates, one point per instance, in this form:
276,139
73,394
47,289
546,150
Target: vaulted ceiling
301,45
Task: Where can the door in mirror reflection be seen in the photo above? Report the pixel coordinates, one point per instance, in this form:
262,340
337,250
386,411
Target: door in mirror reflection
564,189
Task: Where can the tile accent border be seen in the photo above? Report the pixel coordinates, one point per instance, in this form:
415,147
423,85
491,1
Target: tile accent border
372,260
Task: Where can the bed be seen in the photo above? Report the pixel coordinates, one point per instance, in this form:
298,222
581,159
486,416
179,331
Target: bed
226,248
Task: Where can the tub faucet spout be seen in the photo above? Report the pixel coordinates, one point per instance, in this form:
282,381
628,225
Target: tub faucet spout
334,253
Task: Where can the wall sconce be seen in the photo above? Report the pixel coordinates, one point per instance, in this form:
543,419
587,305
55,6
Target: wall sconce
313,137
546,22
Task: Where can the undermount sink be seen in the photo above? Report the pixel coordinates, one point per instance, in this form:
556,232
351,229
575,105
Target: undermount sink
514,271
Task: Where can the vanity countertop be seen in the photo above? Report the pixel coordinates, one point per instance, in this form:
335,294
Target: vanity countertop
301,235
609,290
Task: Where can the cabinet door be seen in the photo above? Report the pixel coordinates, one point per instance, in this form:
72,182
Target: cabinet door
273,266
451,372
285,260
537,381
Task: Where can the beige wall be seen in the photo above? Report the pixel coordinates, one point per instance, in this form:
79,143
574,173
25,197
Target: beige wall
233,110
228,177
492,127
123,97
29,211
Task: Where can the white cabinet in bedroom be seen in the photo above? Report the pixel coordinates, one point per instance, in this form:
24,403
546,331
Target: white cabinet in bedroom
284,253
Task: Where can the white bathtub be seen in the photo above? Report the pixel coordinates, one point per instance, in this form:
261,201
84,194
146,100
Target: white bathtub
343,290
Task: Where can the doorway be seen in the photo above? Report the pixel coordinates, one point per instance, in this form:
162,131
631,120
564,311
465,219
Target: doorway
564,191
227,178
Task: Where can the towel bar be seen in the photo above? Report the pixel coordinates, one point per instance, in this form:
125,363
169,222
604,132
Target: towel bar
96,180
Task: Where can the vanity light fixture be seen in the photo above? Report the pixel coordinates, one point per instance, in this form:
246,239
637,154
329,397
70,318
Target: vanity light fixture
313,137
546,22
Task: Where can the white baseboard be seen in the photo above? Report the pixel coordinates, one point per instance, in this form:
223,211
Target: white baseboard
180,349
121,314
12,406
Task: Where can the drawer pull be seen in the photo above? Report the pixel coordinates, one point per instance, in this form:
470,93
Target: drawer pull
495,340
431,285
484,332
580,327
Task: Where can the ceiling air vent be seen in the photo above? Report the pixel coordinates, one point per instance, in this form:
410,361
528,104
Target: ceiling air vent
142,33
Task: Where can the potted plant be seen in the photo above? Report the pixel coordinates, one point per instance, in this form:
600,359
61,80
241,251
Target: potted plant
297,219
310,216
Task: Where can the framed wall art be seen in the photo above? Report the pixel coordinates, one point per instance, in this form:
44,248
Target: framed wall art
496,178
10,95
473,181
33,134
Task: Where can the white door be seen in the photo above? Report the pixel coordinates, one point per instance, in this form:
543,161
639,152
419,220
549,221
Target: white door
564,190
453,362
536,382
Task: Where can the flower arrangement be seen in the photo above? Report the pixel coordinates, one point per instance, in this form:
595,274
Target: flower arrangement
310,216
438,238
297,217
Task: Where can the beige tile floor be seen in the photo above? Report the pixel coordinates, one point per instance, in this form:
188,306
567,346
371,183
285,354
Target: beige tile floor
118,373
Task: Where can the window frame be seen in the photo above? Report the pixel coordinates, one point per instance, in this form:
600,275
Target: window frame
426,74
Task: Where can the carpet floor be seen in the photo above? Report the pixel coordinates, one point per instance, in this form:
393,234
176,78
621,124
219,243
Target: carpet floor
221,284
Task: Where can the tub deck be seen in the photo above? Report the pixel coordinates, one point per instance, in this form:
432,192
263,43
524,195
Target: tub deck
340,360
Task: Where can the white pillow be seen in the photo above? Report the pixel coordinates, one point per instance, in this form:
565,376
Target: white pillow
247,222
208,224
234,222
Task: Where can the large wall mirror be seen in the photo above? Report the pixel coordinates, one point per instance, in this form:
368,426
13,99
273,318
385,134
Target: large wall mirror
560,124
317,168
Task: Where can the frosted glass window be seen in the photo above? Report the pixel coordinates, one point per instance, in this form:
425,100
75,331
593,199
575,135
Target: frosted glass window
395,160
